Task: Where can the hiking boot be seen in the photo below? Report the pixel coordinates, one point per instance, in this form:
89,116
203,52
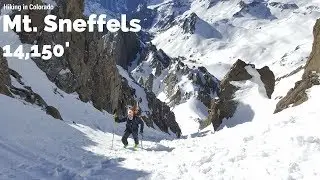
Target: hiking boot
135,147
125,146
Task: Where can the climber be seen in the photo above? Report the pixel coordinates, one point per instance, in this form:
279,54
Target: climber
132,126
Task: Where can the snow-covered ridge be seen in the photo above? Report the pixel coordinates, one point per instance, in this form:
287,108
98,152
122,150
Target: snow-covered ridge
252,38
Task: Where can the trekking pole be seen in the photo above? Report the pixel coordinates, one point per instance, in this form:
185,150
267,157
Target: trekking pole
113,131
113,134
141,141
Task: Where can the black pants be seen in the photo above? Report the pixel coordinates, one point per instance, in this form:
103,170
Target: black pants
127,134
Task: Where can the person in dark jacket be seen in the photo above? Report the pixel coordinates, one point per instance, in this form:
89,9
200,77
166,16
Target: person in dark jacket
132,127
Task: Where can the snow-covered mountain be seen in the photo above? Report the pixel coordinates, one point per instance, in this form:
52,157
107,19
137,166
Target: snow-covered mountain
247,37
257,56
113,6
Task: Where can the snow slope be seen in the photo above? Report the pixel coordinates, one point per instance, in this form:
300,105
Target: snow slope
281,146
33,145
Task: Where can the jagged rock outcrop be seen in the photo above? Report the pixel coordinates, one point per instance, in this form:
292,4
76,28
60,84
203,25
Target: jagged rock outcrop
258,9
268,79
52,111
170,75
5,81
189,24
215,115
89,68
226,105
162,120
29,96
313,64
298,95
284,6
205,85
26,94
124,46
156,59
192,24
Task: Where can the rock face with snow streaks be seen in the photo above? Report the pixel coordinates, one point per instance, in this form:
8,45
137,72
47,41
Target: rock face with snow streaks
226,105
298,95
90,67
4,75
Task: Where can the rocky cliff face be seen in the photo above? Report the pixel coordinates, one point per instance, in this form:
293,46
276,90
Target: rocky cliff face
226,105
298,94
313,64
284,6
89,68
160,74
189,24
205,86
26,93
124,46
5,82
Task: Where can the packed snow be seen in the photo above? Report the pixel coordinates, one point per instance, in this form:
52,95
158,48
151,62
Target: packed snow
281,146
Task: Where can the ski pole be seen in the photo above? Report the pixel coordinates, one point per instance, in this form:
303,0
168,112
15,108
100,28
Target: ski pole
113,131
141,141
113,134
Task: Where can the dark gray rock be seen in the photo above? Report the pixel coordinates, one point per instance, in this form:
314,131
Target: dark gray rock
26,94
226,105
215,114
29,96
52,111
237,72
149,83
189,24
268,79
207,85
123,46
5,81
162,120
